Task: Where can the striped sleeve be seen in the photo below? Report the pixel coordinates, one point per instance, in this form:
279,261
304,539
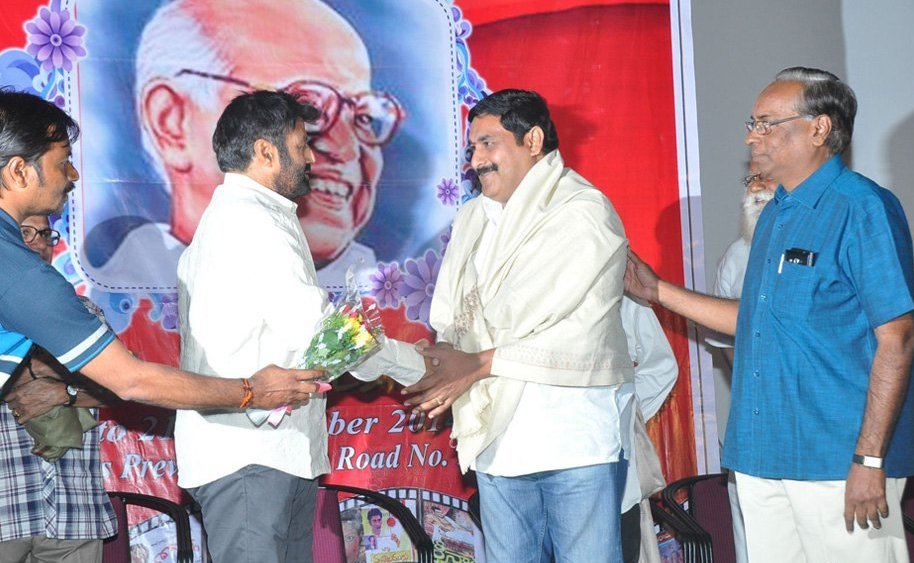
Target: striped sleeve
43,308
13,349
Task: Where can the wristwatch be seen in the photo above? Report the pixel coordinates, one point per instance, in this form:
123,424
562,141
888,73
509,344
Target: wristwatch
72,391
868,461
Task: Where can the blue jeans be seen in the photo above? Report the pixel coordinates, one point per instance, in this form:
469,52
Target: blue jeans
572,514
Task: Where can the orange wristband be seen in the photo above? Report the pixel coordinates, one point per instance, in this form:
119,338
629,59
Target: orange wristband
248,394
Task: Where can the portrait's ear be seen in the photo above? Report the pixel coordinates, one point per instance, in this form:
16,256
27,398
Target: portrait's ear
163,113
533,140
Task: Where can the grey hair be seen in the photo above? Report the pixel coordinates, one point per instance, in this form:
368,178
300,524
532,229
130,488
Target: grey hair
172,41
825,93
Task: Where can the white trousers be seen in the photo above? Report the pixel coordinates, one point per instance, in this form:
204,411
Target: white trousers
803,522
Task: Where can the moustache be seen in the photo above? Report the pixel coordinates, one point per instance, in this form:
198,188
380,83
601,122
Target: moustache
486,169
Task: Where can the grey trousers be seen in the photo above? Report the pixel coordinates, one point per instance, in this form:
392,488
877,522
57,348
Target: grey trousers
42,549
258,515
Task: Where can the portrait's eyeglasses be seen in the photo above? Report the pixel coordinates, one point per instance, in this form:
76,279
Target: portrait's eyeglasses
751,178
29,234
764,127
375,115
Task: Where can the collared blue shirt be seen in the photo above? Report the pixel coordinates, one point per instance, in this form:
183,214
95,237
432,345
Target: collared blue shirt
38,305
805,339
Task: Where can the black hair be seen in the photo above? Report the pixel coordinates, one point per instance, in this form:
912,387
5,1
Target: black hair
519,111
374,512
29,125
258,115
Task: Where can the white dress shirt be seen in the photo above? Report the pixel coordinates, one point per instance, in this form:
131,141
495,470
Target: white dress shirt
248,297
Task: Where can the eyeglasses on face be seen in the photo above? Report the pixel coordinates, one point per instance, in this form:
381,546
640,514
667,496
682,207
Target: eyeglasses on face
763,127
751,178
29,234
375,115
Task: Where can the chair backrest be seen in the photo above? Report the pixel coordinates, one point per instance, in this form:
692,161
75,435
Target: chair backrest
117,548
328,546
709,504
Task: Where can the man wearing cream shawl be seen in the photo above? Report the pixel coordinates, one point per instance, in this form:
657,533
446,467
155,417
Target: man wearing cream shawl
532,356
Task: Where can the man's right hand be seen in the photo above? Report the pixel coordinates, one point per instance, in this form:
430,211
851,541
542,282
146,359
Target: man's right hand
35,397
640,280
276,387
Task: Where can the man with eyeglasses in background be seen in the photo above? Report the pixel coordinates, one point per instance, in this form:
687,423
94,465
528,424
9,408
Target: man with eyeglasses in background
821,429
53,503
194,56
731,269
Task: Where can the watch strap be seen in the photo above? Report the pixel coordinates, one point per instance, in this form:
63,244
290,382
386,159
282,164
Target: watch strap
72,391
868,461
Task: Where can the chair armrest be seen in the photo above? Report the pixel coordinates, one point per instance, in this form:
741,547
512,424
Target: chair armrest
423,544
672,504
174,511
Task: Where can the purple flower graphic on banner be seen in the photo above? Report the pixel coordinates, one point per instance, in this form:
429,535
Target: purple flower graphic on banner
54,39
386,284
448,193
420,278
462,27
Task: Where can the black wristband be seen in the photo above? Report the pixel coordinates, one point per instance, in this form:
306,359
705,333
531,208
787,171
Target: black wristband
72,391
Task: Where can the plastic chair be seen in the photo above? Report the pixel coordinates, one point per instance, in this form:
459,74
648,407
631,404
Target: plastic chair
695,543
117,548
706,512
329,546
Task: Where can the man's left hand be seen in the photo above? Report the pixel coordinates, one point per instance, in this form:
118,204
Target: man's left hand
864,497
34,397
451,375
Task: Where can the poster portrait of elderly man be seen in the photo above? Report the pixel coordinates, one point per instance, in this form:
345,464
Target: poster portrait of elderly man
157,77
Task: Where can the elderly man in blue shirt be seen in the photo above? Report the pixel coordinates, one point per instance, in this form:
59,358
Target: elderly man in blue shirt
821,431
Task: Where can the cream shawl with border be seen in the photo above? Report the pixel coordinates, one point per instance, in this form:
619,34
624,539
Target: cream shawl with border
549,302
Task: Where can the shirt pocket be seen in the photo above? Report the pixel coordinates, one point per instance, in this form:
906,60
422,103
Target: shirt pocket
793,291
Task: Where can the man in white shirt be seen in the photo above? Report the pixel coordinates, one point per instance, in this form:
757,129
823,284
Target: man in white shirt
539,375
732,265
248,295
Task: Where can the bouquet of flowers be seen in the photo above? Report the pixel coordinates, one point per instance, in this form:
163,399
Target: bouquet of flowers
347,336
